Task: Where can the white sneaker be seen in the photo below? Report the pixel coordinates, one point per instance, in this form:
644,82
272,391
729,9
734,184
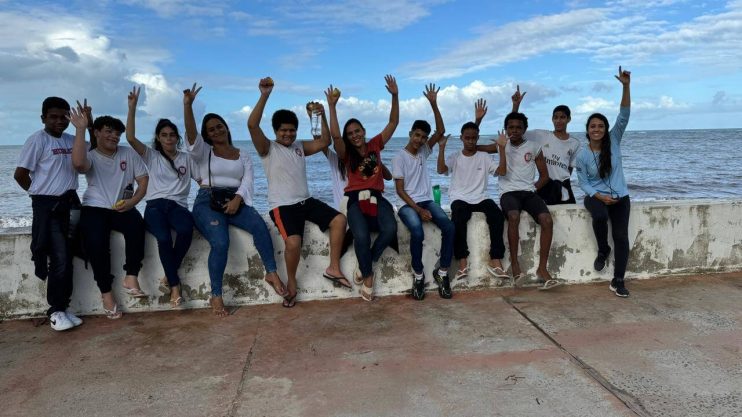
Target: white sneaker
76,321
60,322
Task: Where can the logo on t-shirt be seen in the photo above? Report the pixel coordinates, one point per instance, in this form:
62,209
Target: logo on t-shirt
298,151
528,157
61,151
122,165
182,170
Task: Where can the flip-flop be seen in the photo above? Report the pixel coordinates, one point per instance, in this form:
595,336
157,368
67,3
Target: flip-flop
135,292
462,273
552,283
357,277
497,272
277,287
289,302
337,281
177,303
367,293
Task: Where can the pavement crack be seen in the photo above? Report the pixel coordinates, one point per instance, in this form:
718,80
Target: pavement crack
630,401
245,371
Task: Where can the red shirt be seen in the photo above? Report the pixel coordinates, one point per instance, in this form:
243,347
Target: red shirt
368,175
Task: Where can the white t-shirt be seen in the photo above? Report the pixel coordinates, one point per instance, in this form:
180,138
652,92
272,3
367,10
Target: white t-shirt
234,173
521,166
50,161
338,182
560,154
108,176
412,169
166,182
286,170
469,176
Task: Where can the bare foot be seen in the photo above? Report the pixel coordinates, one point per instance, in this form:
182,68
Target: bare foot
275,281
217,305
543,274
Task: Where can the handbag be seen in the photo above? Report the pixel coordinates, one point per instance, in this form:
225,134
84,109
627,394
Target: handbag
219,197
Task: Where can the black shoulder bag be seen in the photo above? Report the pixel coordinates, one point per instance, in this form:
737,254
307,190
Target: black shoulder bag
219,196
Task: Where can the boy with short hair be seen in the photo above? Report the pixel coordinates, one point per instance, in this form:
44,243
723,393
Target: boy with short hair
469,170
519,160
413,187
45,171
288,192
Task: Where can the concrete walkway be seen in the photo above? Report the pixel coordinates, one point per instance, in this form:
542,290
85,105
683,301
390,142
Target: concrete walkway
672,349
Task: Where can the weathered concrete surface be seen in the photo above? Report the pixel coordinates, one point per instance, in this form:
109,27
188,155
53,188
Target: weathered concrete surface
672,348
678,237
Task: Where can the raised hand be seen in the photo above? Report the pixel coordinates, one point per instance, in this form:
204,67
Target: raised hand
623,76
443,140
502,138
78,118
266,85
189,95
431,92
391,85
480,109
310,107
318,108
87,110
133,98
333,95
517,97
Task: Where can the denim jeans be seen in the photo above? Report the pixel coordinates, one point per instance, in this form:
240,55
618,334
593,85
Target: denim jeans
214,226
415,224
160,216
361,226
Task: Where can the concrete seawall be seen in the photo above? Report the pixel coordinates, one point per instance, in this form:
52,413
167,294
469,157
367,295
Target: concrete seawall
666,238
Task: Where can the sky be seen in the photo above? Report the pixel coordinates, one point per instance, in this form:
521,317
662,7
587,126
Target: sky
685,58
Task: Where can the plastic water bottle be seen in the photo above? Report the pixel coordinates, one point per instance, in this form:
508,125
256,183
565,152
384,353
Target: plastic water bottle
437,194
128,192
316,125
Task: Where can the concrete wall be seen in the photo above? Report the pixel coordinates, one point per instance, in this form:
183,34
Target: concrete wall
678,237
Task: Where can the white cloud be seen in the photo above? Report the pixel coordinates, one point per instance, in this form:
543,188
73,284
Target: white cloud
175,8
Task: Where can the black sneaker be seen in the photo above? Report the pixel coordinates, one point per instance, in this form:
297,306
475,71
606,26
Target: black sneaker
600,261
444,286
618,288
418,288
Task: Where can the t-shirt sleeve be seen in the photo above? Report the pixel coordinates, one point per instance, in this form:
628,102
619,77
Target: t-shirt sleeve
376,143
575,151
397,167
149,155
30,153
140,169
246,185
199,150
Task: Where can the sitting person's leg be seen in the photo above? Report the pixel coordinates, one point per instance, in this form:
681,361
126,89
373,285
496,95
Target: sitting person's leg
460,216
131,225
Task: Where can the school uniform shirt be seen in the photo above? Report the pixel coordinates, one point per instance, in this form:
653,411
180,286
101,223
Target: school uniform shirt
470,176
412,169
521,167
286,170
168,182
108,176
560,155
338,182
231,173
49,161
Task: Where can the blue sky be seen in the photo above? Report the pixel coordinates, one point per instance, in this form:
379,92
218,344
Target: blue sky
684,57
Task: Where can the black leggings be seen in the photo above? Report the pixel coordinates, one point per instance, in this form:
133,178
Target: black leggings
95,226
619,215
461,213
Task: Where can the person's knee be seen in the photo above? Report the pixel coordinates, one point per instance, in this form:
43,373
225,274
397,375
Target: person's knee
417,233
513,217
293,244
546,221
448,227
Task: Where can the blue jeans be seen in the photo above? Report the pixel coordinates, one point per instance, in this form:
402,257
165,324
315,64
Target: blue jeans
160,216
214,226
361,226
415,224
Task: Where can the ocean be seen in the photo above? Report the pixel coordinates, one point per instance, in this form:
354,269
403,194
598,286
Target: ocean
659,165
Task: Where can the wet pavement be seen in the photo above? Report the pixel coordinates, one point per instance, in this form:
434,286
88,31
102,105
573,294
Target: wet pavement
671,349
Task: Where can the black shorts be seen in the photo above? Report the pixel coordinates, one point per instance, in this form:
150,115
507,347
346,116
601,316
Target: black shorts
523,200
290,219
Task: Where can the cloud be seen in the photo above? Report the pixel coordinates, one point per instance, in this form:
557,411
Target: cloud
175,8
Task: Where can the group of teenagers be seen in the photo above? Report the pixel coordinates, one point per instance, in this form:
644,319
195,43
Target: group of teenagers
533,169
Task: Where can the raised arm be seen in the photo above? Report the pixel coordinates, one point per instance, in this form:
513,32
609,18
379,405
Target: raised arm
480,110
442,167
333,95
502,139
79,148
624,77
262,144
88,111
391,87
321,143
189,96
133,99
517,98
431,93
543,171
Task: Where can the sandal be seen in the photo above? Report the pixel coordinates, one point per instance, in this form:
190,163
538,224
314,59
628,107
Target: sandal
367,293
114,314
289,302
178,302
278,287
338,282
135,292
357,277
462,273
552,283
497,272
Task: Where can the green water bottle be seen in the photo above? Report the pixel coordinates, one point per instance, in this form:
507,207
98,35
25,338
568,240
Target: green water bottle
437,194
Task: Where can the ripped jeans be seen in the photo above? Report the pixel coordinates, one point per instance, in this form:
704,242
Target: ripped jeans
214,226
